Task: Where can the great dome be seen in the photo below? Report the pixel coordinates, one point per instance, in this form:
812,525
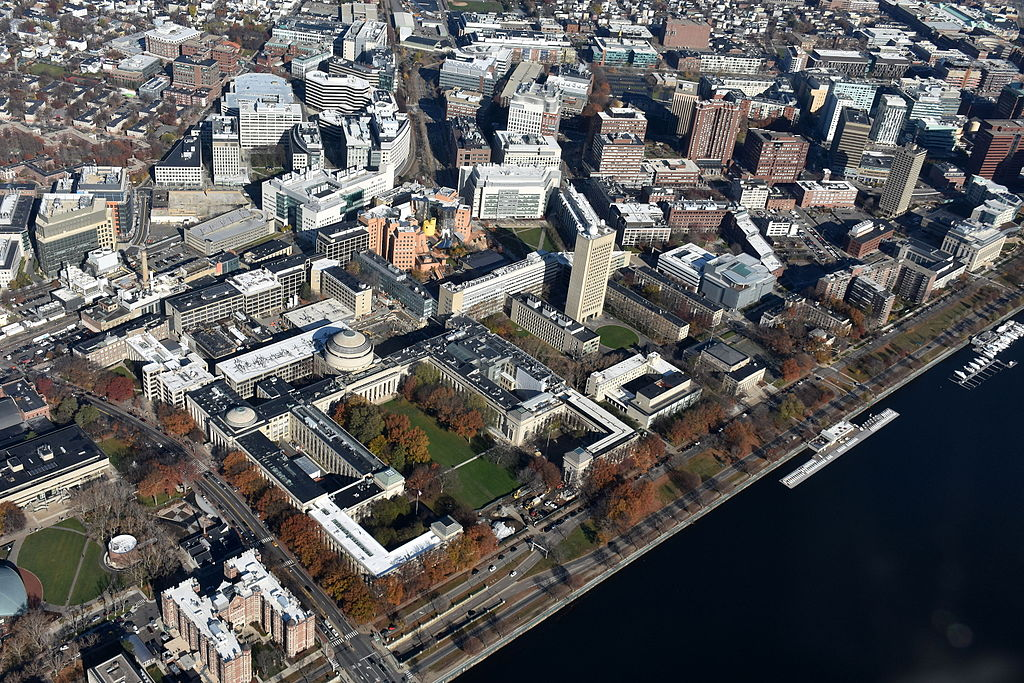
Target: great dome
348,351
240,416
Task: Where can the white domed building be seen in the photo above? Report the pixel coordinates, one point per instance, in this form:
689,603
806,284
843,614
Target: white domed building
347,351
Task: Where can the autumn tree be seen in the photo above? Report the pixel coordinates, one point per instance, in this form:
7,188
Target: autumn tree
161,481
12,518
175,421
119,389
648,451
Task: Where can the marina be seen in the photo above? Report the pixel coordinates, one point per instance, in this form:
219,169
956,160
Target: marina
833,442
988,345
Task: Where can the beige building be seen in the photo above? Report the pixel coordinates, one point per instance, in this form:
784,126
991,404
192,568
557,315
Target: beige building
548,323
46,468
899,186
591,268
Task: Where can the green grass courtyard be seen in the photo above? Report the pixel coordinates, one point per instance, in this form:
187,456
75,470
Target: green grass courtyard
68,564
617,337
475,483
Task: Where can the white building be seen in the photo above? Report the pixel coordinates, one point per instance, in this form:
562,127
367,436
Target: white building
976,245
226,151
495,191
168,370
644,388
890,117
686,264
316,199
534,109
10,259
262,124
518,149
347,94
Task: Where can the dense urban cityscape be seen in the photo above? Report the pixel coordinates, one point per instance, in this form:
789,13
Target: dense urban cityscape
349,341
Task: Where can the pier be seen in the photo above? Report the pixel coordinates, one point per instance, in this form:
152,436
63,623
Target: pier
835,441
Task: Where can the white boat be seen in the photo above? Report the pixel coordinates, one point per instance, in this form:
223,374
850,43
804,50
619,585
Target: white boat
960,374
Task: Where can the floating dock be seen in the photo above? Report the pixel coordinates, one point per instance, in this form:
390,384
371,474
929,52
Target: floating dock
989,344
835,441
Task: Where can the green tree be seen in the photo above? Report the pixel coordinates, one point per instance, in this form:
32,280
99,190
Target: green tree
86,415
65,410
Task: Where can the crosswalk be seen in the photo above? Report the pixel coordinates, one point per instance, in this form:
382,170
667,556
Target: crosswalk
266,539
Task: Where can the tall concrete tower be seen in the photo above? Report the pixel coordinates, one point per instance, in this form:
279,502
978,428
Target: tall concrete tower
591,266
890,115
899,187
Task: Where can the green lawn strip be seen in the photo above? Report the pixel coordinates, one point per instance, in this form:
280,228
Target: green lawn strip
446,448
480,482
617,337
53,555
579,542
704,465
71,523
92,579
124,372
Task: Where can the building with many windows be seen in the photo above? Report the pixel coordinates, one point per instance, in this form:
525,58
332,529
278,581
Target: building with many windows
548,323
591,269
534,109
225,150
209,621
494,191
483,295
658,323
263,124
305,148
67,227
182,166
320,198
644,388
519,149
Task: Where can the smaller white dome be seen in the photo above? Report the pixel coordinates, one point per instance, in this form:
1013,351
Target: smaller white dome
240,416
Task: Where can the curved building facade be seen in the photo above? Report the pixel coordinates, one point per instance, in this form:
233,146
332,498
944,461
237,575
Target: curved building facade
347,94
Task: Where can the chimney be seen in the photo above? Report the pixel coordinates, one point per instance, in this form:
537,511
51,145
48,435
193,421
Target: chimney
145,268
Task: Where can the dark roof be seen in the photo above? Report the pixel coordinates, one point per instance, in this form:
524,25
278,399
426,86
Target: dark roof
273,460
36,460
24,395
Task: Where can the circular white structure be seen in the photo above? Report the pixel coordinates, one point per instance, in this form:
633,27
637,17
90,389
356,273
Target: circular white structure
348,351
240,416
122,551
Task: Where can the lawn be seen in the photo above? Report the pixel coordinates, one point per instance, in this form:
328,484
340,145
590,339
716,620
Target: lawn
481,481
534,238
53,554
71,523
617,337
446,448
92,578
476,483
579,542
125,372
705,465
117,451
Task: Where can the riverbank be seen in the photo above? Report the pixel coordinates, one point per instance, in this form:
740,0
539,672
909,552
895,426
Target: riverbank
540,612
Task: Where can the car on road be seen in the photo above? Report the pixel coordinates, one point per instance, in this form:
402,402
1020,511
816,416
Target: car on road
491,568
512,573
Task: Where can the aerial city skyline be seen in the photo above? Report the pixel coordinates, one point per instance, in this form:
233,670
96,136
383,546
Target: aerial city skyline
351,341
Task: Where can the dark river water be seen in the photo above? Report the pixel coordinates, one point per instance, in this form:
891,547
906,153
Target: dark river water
901,561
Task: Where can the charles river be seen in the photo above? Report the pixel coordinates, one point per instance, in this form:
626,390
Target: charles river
902,561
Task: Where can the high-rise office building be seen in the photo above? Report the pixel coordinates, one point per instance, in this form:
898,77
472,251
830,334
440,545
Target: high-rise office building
225,150
68,226
617,155
534,110
774,157
716,123
890,116
1010,104
850,141
899,187
265,123
588,281
684,103
998,150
